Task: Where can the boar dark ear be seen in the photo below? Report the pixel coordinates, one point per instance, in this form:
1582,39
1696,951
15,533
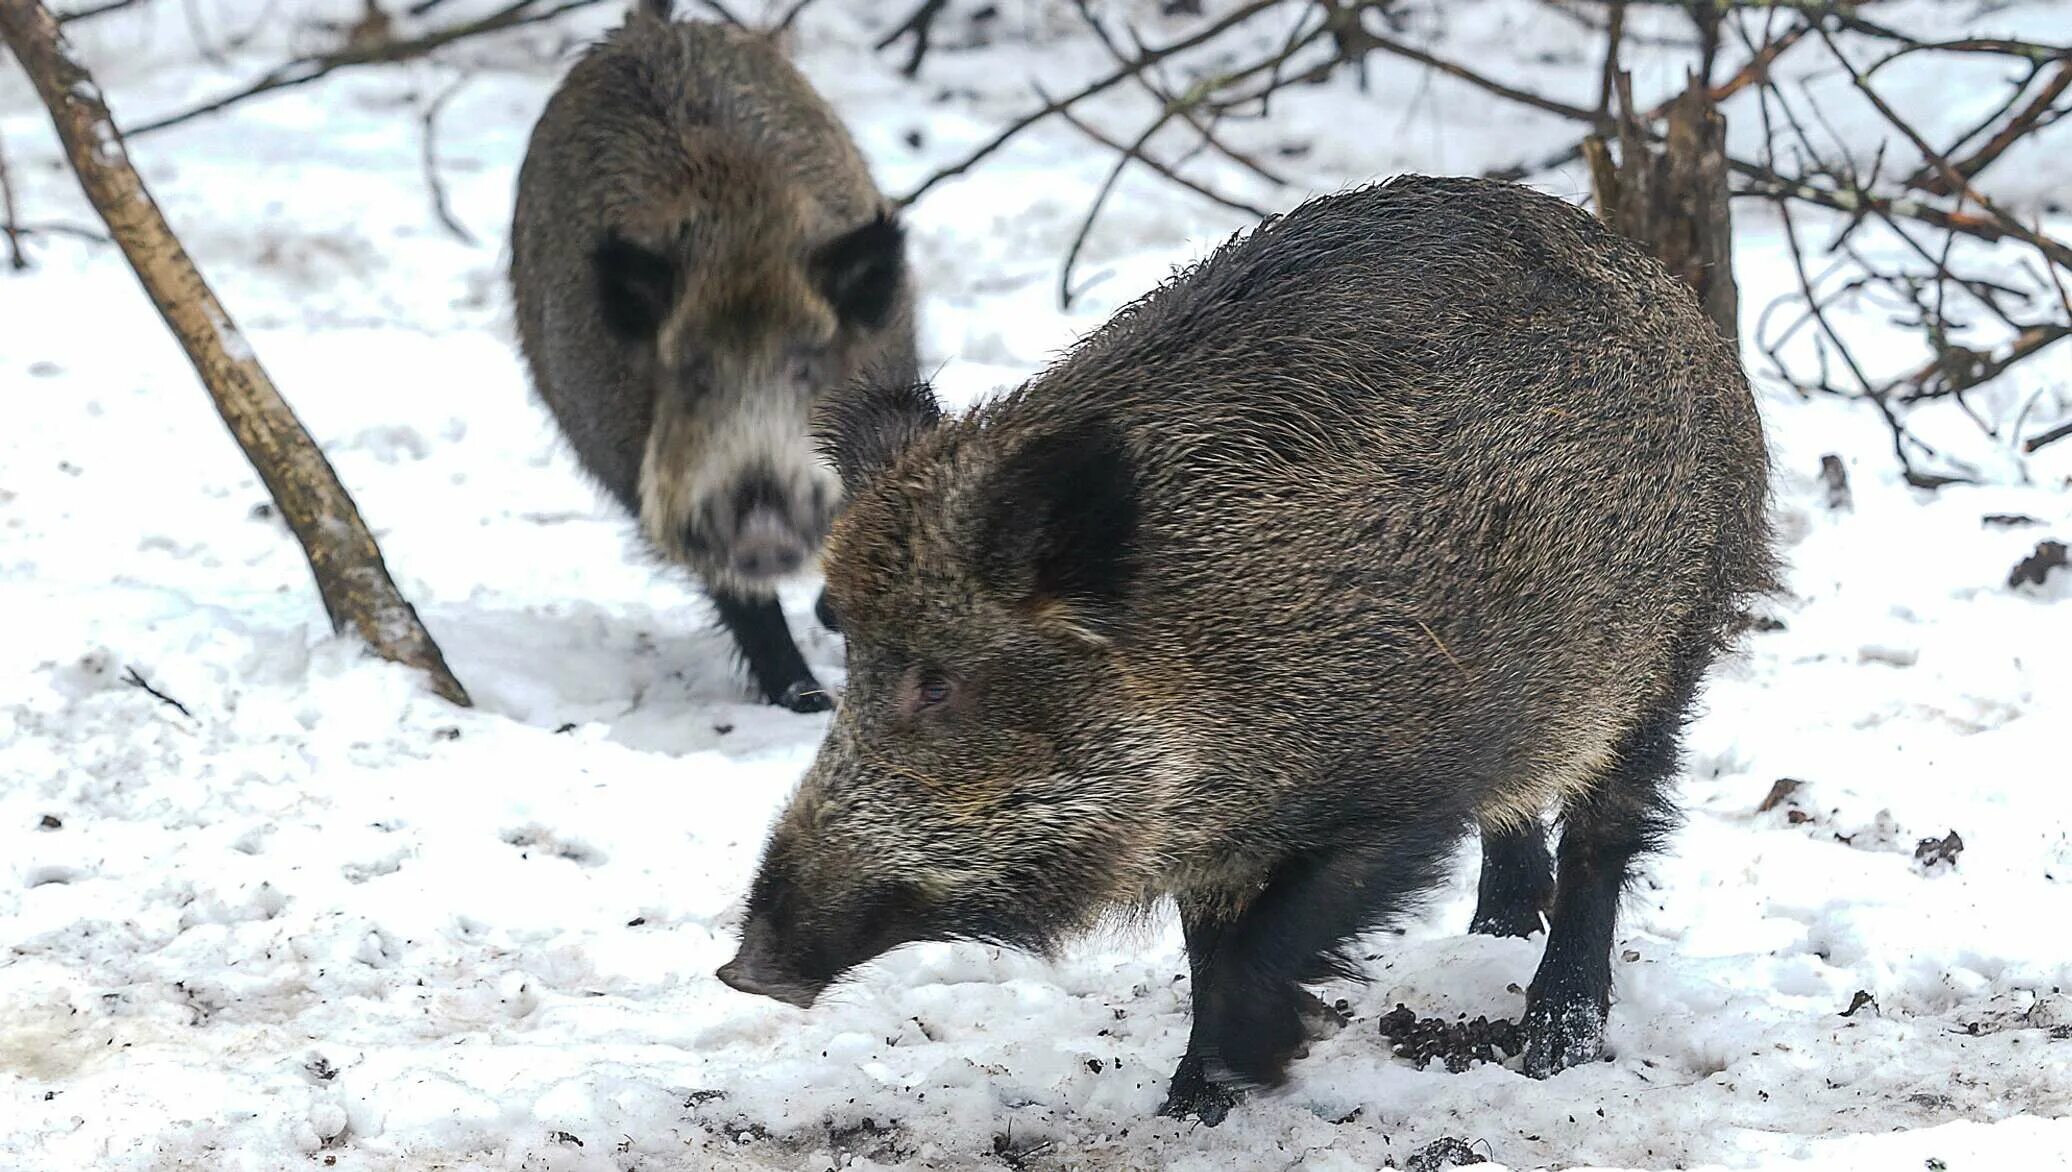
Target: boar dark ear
862,428
859,272
1060,527
634,286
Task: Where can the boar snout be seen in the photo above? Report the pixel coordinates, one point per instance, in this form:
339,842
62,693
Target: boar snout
761,529
757,968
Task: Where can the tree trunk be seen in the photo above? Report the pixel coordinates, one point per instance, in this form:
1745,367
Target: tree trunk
1672,196
355,585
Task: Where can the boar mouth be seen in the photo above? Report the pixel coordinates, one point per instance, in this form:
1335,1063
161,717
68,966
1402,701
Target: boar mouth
751,974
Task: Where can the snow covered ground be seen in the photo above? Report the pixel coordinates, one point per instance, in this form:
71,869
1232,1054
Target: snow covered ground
321,918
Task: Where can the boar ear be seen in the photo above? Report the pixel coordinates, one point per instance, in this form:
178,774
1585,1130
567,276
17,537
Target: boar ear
1059,528
859,272
862,428
634,286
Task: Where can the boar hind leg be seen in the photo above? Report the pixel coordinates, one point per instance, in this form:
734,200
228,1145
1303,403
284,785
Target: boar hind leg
1626,814
759,630
1517,881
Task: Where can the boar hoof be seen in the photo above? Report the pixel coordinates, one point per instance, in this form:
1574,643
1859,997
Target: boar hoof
1193,1096
1560,1033
805,696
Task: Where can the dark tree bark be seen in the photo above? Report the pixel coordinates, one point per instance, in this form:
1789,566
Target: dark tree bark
1672,196
356,588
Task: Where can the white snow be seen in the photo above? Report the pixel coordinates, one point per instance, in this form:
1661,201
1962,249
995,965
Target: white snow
326,920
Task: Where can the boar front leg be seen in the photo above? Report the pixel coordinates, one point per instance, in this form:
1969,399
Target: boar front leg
1249,1002
759,630
1517,881
1203,922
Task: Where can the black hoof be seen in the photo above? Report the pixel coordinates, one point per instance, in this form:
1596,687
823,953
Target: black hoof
805,696
1193,1096
1560,1033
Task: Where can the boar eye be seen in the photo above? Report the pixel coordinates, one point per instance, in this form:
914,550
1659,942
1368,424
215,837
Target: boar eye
931,691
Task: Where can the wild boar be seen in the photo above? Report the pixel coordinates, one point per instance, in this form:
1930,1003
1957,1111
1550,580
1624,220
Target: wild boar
698,254
1422,507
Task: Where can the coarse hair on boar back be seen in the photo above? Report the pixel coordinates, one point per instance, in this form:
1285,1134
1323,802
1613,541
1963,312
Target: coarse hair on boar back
1421,508
698,256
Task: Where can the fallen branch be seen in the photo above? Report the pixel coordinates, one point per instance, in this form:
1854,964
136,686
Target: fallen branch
354,583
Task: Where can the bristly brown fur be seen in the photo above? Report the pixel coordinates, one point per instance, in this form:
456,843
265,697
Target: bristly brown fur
1422,506
698,253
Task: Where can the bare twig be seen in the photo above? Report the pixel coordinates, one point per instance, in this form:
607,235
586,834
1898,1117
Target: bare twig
304,70
1184,105
2055,250
1100,85
1133,151
10,222
1164,170
920,24
2039,111
94,10
791,16
135,679
1366,39
1753,72
440,207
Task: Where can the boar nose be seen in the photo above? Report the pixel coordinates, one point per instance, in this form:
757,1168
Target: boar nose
753,970
767,546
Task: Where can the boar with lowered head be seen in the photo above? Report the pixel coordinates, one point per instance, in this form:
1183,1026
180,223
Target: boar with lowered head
698,255
1419,509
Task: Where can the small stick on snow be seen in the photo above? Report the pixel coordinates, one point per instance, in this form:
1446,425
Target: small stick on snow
136,679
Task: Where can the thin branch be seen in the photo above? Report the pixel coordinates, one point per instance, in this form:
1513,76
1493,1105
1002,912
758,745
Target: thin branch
2056,250
1185,108
93,10
1133,151
791,16
304,70
2020,125
920,24
135,679
2037,443
10,222
1100,85
1164,170
1754,71
440,207
1364,38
